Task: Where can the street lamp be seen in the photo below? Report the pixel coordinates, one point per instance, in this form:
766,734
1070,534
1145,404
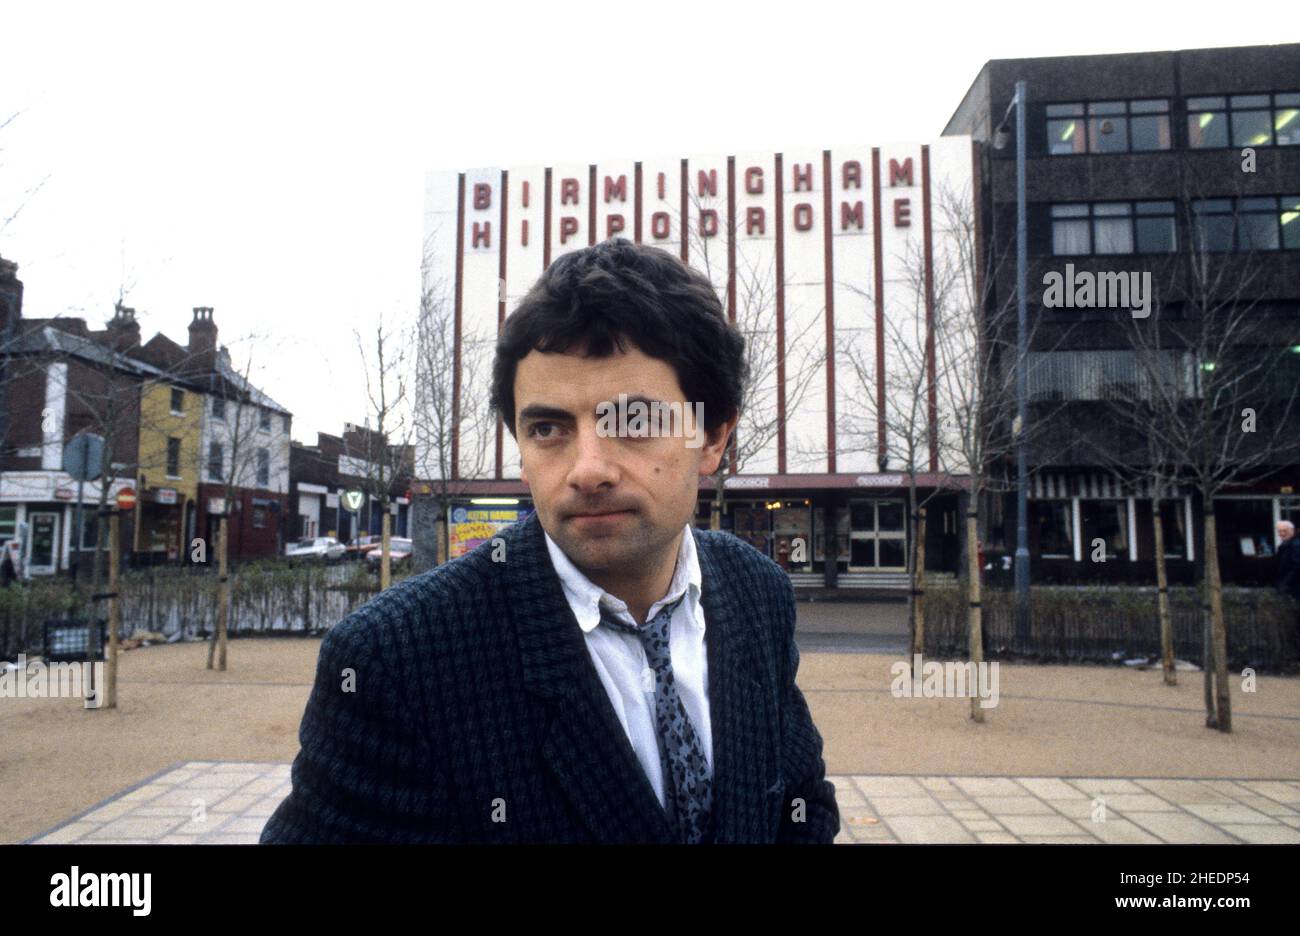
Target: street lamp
1000,138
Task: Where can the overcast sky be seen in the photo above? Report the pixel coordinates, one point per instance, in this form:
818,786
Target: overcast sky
267,158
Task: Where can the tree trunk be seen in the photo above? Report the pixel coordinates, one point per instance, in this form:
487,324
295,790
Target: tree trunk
1162,593
223,598
1211,720
114,612
975,634
1218,629
385,562
918,587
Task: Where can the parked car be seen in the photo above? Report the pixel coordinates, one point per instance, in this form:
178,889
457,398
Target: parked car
360,545
399,551
326,548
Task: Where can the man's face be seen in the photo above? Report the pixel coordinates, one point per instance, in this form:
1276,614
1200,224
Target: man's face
1285,531
572,470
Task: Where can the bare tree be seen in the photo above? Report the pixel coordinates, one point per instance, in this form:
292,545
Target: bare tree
976,357
904,411
238,428
768,356
442,416
1220,397
10,214
383,461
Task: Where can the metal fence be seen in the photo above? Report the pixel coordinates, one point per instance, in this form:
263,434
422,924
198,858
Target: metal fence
1104,625
181,602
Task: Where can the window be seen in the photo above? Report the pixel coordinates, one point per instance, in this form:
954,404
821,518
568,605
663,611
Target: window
1070,230
1246,224
8,523
1245,527
216,460
286,423
178,401
1212,224
1105,520
1112,228
89,530
1243,120
1289,218
218,408
264,418
173,458
792,532
259,516
1154,228
1149,125
1107,228
1105,375
1055,529
263,467
1109,127
1173,521
1065,129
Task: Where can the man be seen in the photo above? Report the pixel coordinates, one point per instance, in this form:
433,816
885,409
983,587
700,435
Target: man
1288,573
599,672
1288,560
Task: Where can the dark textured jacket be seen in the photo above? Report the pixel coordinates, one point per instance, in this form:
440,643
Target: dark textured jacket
1288,568
477,715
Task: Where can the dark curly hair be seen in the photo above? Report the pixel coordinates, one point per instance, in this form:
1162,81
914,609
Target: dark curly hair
618,292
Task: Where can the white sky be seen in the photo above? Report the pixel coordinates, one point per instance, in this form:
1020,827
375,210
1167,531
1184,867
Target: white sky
267,159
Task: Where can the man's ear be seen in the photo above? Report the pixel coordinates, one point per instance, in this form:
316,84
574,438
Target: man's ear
716,445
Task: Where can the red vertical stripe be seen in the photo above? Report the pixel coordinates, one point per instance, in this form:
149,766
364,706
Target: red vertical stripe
731,238
880,303
637,210
455,367
780,316
501,302
591,205
546,222
685,209
932,405
829,276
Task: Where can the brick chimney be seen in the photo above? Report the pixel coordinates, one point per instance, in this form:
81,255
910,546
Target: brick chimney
123,332
203,340
11,296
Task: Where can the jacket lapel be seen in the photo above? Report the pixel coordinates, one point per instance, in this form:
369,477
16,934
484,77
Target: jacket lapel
746,739
585,745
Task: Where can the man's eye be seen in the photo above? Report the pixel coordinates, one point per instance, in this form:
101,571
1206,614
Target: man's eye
532,431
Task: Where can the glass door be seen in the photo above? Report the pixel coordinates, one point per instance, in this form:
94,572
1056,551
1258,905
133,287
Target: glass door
877,535
45,528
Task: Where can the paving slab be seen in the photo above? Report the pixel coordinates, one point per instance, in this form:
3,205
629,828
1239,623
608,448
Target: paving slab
228,802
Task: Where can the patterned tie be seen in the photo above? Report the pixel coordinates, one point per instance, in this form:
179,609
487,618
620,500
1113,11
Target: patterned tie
688,786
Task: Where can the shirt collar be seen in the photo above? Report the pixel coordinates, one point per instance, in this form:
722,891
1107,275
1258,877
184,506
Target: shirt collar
585,596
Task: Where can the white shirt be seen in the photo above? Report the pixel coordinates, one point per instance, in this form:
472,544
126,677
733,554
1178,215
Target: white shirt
620,659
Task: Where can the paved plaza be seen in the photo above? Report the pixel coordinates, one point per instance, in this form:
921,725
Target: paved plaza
228,802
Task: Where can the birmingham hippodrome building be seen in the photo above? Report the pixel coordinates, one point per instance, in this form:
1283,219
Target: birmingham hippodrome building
825,274
827,260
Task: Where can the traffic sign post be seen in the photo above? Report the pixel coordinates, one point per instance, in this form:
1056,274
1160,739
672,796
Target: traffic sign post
82,457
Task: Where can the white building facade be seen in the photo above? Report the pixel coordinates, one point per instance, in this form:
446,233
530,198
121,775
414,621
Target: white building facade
831,272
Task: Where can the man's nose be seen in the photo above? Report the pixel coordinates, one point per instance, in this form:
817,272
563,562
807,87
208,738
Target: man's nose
593,461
